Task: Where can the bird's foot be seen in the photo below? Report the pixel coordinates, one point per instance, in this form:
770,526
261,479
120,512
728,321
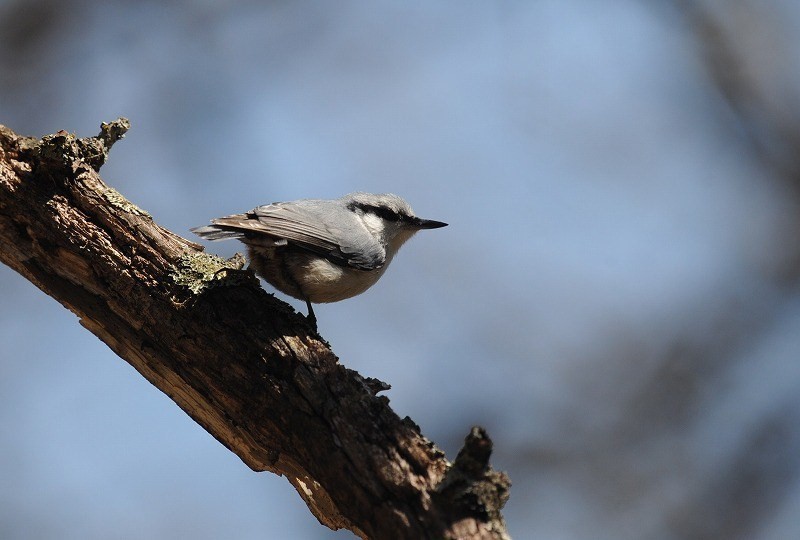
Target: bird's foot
311,318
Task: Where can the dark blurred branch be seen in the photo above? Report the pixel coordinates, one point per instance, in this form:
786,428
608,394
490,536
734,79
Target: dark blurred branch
773,134
732,39
241,363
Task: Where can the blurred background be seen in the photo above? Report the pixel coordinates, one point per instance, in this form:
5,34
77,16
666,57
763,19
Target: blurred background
616,299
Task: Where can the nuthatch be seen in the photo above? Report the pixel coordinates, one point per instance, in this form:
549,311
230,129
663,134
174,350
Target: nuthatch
322,250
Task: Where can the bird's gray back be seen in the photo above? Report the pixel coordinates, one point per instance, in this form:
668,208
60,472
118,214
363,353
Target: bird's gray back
324,227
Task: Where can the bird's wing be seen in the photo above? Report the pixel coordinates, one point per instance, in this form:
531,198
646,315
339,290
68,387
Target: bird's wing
311,229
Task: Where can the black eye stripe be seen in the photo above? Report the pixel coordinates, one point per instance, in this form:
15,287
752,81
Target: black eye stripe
380,211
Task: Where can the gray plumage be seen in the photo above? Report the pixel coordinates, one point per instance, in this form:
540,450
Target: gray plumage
322,250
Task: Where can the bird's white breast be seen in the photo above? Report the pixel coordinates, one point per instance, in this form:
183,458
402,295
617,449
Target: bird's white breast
322,281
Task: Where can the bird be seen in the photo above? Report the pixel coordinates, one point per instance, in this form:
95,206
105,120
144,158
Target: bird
322,250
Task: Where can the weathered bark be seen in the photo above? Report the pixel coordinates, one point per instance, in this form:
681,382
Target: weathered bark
241,363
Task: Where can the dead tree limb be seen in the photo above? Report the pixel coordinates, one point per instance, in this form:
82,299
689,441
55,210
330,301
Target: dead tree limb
241,363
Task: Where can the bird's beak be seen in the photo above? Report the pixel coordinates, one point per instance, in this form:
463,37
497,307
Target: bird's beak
429,224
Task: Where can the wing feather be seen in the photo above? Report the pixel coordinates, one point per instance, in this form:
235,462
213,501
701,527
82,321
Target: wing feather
301,223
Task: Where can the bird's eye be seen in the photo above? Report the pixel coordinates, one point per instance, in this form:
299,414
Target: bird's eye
386,213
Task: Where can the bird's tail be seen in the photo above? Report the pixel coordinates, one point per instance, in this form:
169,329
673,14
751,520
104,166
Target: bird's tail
215,232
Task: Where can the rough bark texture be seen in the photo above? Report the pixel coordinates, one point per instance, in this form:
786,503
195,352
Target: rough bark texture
241,363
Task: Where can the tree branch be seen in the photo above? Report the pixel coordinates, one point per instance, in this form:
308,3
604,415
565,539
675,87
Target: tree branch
241,363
